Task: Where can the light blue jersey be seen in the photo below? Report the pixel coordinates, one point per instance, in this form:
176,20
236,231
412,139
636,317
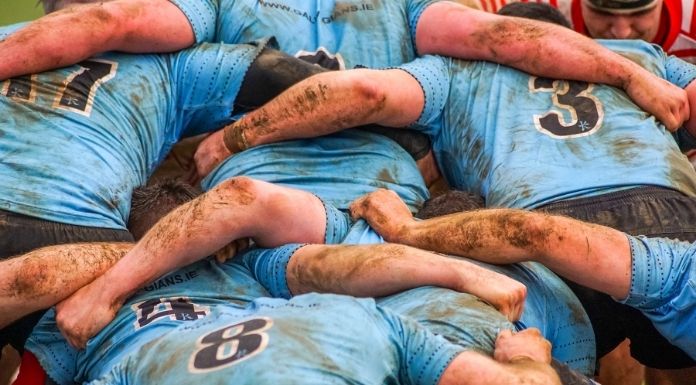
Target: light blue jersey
334,34
523,141
313,339
75,142
663,287
338,168
189,294
550,306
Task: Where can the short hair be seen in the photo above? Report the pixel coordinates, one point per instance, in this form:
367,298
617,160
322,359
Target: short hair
449,203
150,203
535,11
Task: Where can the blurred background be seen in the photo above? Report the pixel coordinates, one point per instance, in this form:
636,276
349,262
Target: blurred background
13,11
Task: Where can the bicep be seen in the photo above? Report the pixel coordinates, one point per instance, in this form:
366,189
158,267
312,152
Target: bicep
149,26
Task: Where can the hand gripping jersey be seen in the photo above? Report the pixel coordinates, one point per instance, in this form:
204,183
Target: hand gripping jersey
338,168
182,297
314,339
523,141
676,34
76,141
334,34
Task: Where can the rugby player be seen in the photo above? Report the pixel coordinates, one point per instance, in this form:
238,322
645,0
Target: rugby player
373,33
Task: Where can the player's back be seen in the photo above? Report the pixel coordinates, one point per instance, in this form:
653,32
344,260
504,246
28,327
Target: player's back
522,141
334,34
338,168
313,339
77,140
186,295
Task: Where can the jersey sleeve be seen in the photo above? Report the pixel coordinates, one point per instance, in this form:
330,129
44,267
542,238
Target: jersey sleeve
415,11
10,29
679,72
663,287
432,74
269,267
660,269
209,78
202,15
424,356
57,358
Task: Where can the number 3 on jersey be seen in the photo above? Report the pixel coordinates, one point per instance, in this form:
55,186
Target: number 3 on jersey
230,345
77,92
585,110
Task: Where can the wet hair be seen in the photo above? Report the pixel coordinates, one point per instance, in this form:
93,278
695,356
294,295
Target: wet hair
150,203
449,203
535,11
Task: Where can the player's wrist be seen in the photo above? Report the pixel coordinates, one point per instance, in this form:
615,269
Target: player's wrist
235,139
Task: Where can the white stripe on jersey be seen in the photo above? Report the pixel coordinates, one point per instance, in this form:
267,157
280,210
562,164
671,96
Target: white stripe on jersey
687,14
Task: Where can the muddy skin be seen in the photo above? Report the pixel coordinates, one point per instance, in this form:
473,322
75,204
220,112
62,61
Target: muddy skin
314,276
237,191
510,228
39,275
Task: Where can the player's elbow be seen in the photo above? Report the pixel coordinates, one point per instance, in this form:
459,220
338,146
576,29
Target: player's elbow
366,86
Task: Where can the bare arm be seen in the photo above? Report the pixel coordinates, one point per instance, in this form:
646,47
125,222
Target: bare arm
379,270
592,255
521,358
317,106
76,33
238,208
41,278
545,49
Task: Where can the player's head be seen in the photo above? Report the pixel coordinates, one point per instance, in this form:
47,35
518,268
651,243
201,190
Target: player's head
56,5
622,19
449,203
536,11
150,203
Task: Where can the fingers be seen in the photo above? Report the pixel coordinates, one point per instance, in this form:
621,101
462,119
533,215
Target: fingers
527,344
231,250
68,327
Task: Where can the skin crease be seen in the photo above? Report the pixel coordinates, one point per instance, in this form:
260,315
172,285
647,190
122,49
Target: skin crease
639,25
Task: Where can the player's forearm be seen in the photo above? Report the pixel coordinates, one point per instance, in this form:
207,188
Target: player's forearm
42,278
573,249
379,270
187,234
77,33
368,270
320,105
539,48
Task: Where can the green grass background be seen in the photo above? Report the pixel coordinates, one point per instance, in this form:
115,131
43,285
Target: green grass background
13,11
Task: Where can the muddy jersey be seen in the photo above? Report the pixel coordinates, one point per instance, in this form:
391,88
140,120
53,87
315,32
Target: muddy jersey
338,168
462,318
334,34
189,294
663,287
313,339
75,142
676,34
523,141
